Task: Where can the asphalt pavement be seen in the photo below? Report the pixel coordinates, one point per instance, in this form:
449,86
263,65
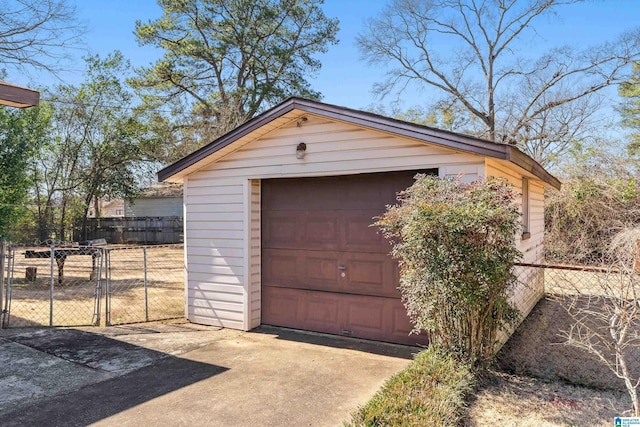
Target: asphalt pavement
185,374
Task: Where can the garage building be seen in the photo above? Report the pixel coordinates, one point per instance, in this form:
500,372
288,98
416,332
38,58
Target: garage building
277,217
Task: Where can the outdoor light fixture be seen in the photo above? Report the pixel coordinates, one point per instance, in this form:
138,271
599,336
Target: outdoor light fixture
300,150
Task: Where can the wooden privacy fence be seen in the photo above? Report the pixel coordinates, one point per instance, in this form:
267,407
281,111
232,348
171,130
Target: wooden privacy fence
137,230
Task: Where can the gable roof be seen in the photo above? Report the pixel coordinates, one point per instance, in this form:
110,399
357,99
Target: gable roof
18,96
423,133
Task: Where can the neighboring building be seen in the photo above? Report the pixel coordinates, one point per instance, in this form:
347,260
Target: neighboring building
18,96
154,217
159,200
108,209
278,213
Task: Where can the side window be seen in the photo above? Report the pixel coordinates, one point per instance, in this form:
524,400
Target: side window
526,232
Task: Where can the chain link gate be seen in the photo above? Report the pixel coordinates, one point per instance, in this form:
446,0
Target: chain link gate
67,285
4,277
52,286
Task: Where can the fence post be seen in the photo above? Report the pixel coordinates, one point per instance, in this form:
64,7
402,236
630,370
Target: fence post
51,284
146,295
3,246
107,287
98,296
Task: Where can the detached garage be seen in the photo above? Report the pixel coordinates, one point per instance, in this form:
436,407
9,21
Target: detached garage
278,211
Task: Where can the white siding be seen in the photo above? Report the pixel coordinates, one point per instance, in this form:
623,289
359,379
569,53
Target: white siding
531,286
254,255
223,267
466,173
532,248
214,237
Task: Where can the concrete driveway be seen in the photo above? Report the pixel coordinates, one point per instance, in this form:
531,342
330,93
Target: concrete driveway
185,374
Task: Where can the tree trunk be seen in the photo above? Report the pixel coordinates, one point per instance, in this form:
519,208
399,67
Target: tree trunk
63,214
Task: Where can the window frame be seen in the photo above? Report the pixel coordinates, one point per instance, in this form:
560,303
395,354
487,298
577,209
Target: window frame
526,209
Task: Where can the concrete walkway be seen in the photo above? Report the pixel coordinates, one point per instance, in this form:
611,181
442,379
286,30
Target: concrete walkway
185,374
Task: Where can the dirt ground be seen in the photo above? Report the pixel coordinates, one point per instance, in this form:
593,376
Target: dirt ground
512,400
536,349
74,300
540,381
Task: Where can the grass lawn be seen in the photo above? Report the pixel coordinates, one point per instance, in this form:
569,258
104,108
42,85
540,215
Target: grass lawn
430,391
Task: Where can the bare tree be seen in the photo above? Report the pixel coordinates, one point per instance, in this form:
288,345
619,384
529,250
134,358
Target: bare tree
471,51
606,314
37,34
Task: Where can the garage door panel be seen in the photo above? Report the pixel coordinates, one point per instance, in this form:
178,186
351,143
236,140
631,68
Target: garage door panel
359,235
351,315
324,267
302,229
364,316
321,230
281,229
364,274
303,309
383,319
293,193
322,271
322,312
401,325
304,269
280,267
371,274
282,306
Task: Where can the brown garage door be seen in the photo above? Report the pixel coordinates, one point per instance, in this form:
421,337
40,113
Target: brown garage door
324,268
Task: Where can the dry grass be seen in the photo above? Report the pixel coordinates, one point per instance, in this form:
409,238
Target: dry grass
511,400
543,382
74,299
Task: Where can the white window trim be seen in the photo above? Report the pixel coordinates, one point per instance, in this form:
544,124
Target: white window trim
526,206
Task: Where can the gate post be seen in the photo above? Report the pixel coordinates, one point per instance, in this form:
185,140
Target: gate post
51,284
146,294
3,246
98,291
107,287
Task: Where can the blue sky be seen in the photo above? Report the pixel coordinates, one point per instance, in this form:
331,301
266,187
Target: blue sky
344,78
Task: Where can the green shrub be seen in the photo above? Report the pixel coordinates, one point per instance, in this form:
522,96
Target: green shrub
429,392
456,247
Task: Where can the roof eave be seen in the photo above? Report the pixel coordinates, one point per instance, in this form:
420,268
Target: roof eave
227,139
370,120
519,158
18,96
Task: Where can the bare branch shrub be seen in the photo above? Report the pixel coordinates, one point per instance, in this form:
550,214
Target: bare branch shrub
606,314
600,197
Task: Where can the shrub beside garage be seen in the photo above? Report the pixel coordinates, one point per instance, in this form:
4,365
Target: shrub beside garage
455,243
430,391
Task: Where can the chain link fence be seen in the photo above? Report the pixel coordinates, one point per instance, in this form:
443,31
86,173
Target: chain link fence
144,283
586,330
586,281
66,285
